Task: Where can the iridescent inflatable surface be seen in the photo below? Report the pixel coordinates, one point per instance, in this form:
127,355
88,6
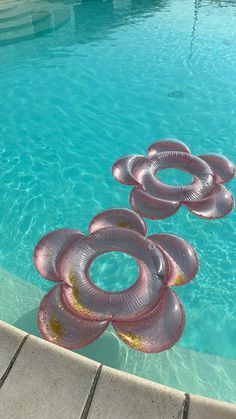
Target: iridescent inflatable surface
148,316
205,197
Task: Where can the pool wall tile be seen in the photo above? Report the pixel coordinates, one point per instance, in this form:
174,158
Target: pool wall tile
120,395
46,382
201,407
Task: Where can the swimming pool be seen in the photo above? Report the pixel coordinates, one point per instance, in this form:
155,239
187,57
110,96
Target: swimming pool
83,83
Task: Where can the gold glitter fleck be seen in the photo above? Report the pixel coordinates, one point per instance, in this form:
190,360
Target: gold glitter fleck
79,306
132,339
72,278
125,224
49,254
56,328
180,279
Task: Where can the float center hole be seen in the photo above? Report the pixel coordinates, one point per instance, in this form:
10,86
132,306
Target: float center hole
114,271
175,177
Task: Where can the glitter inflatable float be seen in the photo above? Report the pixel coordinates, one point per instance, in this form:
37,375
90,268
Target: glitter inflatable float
147,316
205,197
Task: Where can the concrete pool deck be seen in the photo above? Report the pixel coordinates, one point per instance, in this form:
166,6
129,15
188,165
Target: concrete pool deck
40,380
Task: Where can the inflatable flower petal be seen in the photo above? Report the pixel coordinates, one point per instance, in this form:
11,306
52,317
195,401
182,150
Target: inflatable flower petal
217,205
168,144
157,331
118,218
48,249
181,256
223,169
60,326
122,169
153,199
147,316
150,207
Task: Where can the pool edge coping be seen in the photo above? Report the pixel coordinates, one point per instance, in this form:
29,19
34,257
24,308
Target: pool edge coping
192,406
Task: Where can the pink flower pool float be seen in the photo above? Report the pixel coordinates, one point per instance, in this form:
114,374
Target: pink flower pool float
205,197
147,316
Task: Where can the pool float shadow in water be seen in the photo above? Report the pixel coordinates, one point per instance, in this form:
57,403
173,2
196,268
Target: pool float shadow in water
28,322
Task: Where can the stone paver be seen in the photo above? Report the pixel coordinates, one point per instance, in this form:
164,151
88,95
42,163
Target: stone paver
203,408
119,395
10,340
46,382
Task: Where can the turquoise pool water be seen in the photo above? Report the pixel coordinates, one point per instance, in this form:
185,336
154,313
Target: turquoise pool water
83,83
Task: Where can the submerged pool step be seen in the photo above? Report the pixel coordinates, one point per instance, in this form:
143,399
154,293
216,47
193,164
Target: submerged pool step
6,6
16,11
31,24
26,19
17,297
32,18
